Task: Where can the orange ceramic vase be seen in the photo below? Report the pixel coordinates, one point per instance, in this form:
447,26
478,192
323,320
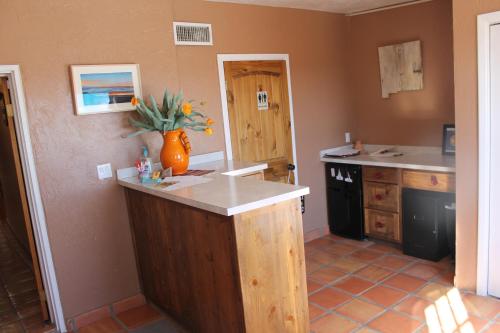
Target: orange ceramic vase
175,151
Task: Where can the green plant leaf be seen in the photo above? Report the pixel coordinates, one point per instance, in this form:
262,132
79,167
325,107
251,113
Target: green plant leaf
131,135
139,124
155,107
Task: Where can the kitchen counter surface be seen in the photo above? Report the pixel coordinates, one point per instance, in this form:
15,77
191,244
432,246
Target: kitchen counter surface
415,158
223,191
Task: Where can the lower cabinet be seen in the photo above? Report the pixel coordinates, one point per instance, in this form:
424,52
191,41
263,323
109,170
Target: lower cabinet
381,196
424,223
382,224
408,207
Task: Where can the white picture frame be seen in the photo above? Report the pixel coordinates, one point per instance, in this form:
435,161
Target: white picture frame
105,88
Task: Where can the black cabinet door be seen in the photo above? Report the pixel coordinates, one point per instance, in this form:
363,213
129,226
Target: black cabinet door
338,210
424,228
344,200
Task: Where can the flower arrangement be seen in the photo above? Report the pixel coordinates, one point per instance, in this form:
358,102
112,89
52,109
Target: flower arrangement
173,114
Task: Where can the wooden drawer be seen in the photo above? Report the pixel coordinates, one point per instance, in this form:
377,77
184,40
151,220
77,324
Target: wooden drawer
383,225
430,181
381,196
257,175
381,175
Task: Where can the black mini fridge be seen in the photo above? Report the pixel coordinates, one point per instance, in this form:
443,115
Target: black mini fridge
425,223
344,186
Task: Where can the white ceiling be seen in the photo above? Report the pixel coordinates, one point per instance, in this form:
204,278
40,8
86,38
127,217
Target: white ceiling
334,6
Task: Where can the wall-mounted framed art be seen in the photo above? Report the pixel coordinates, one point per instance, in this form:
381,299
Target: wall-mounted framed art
449,139
105,88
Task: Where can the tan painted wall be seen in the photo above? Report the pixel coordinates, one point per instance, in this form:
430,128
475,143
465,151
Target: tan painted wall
408,118
9,186
466,112
87,218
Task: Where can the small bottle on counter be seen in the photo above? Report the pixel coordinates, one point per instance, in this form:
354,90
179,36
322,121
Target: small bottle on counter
145,165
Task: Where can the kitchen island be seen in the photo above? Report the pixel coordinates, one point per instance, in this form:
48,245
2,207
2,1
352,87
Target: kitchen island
225,254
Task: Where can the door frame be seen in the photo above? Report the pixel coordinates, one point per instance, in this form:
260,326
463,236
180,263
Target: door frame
221,58
484,22
38,221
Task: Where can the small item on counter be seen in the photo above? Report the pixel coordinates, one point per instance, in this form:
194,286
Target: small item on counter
166,172
342,152
198,172
156,175
166,184
358,145
145,167
387,152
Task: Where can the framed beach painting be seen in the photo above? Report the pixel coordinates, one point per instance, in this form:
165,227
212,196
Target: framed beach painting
105,88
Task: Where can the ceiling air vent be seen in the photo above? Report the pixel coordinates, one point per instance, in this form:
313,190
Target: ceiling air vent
192,33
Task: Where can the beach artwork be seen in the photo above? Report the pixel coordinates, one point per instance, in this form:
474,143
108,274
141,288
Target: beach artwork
105,88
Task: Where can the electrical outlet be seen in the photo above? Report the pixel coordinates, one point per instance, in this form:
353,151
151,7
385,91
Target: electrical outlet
347,137
104,171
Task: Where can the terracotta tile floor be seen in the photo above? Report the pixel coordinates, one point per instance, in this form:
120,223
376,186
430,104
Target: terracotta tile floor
359,287
142,319
19,303
370,287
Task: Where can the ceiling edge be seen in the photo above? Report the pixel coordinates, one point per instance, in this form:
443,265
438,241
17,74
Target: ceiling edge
409,3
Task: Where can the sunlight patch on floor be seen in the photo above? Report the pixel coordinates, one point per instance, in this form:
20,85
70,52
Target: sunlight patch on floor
448,314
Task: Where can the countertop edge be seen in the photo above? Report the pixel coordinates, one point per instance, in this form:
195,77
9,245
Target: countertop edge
390,164
247,170
268,201
213,208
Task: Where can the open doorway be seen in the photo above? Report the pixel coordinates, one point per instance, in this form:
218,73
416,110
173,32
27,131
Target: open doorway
25,243
22,294
258,112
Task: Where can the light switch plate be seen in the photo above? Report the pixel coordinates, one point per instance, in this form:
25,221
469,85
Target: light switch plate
104,171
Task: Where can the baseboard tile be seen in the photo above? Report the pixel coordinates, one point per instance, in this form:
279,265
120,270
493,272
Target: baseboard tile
315,234
105,311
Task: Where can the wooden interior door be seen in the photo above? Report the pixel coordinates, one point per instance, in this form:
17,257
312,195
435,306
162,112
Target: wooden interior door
22,191
260,131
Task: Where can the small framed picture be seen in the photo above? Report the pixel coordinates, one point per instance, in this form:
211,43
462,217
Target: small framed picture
449,139
105,88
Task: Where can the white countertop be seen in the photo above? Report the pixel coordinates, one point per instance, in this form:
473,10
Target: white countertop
222,192
415,158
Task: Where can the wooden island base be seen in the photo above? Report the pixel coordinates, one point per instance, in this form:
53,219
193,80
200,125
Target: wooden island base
215,273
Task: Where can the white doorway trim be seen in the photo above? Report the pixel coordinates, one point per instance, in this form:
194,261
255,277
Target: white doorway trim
221,58
13,72
484,22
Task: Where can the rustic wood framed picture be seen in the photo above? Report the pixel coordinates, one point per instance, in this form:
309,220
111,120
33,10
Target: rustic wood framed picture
105,88
449,139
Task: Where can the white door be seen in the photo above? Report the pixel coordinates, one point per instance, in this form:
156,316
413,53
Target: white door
494,235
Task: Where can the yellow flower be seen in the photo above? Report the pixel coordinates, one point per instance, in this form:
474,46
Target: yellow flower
209,131
134,101
187,108
210,122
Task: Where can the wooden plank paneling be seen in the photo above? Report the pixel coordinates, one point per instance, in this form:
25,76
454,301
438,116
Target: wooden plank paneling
271,258
187,263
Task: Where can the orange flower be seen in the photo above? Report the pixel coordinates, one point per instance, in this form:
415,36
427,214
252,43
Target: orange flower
187,108
209,131
210,122
134,101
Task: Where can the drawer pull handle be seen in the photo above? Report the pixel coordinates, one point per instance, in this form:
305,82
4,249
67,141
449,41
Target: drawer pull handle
434,180
379,175
379,197
379,225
